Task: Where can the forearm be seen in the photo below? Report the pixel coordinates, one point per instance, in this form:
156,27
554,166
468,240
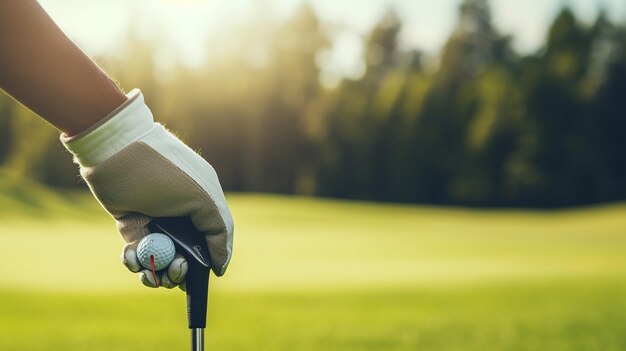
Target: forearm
45,71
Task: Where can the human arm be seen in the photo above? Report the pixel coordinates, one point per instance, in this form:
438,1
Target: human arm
44,70
135,167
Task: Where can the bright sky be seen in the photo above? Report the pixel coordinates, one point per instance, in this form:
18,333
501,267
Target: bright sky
186,25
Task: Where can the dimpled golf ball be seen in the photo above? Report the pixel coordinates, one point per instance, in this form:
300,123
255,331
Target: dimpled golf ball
158,245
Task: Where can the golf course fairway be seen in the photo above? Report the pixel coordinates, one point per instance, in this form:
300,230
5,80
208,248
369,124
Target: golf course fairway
311,274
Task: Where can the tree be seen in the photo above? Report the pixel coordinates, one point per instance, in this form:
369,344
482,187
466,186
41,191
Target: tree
561,154
361,124
292,91
452,109
609,117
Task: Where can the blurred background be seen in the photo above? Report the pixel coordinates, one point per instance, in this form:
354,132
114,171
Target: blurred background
403,101
403,174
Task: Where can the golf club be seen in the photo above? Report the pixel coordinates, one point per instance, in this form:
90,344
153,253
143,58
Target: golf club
191,243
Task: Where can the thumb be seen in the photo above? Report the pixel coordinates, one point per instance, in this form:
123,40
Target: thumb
209,221
130,259
219,251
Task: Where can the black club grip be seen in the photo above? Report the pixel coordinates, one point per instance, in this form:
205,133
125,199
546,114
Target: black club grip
197,282
191,243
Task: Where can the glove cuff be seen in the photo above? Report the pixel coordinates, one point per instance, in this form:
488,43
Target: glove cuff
125,125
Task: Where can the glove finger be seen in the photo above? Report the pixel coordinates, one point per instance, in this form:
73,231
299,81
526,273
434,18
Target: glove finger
130,260
219,251
217,225
166,282
147,279
177,270
183,286
133,226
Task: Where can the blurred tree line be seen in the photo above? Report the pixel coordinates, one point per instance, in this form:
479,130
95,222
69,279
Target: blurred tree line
485,127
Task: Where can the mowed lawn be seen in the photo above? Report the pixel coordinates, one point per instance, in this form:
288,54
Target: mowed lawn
313,274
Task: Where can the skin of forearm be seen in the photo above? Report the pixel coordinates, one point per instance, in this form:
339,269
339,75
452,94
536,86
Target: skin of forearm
44,70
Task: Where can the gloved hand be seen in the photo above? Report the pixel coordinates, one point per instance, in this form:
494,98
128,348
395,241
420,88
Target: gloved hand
138,171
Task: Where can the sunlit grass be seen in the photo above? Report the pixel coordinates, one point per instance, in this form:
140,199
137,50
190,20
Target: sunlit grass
585,314
325,275
303,244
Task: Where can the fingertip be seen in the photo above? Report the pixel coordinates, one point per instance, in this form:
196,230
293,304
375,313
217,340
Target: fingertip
177,270
166,282
147,279
219,270
130,260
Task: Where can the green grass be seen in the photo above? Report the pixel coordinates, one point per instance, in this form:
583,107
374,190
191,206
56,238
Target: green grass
324,275
586,315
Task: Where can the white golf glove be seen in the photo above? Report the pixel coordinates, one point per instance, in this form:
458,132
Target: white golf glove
138,171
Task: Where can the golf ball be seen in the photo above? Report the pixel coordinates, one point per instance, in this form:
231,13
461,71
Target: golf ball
158,245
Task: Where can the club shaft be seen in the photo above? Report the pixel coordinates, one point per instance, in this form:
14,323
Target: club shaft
197,339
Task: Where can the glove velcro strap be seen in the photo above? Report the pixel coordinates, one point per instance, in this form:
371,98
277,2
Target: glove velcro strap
126,124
